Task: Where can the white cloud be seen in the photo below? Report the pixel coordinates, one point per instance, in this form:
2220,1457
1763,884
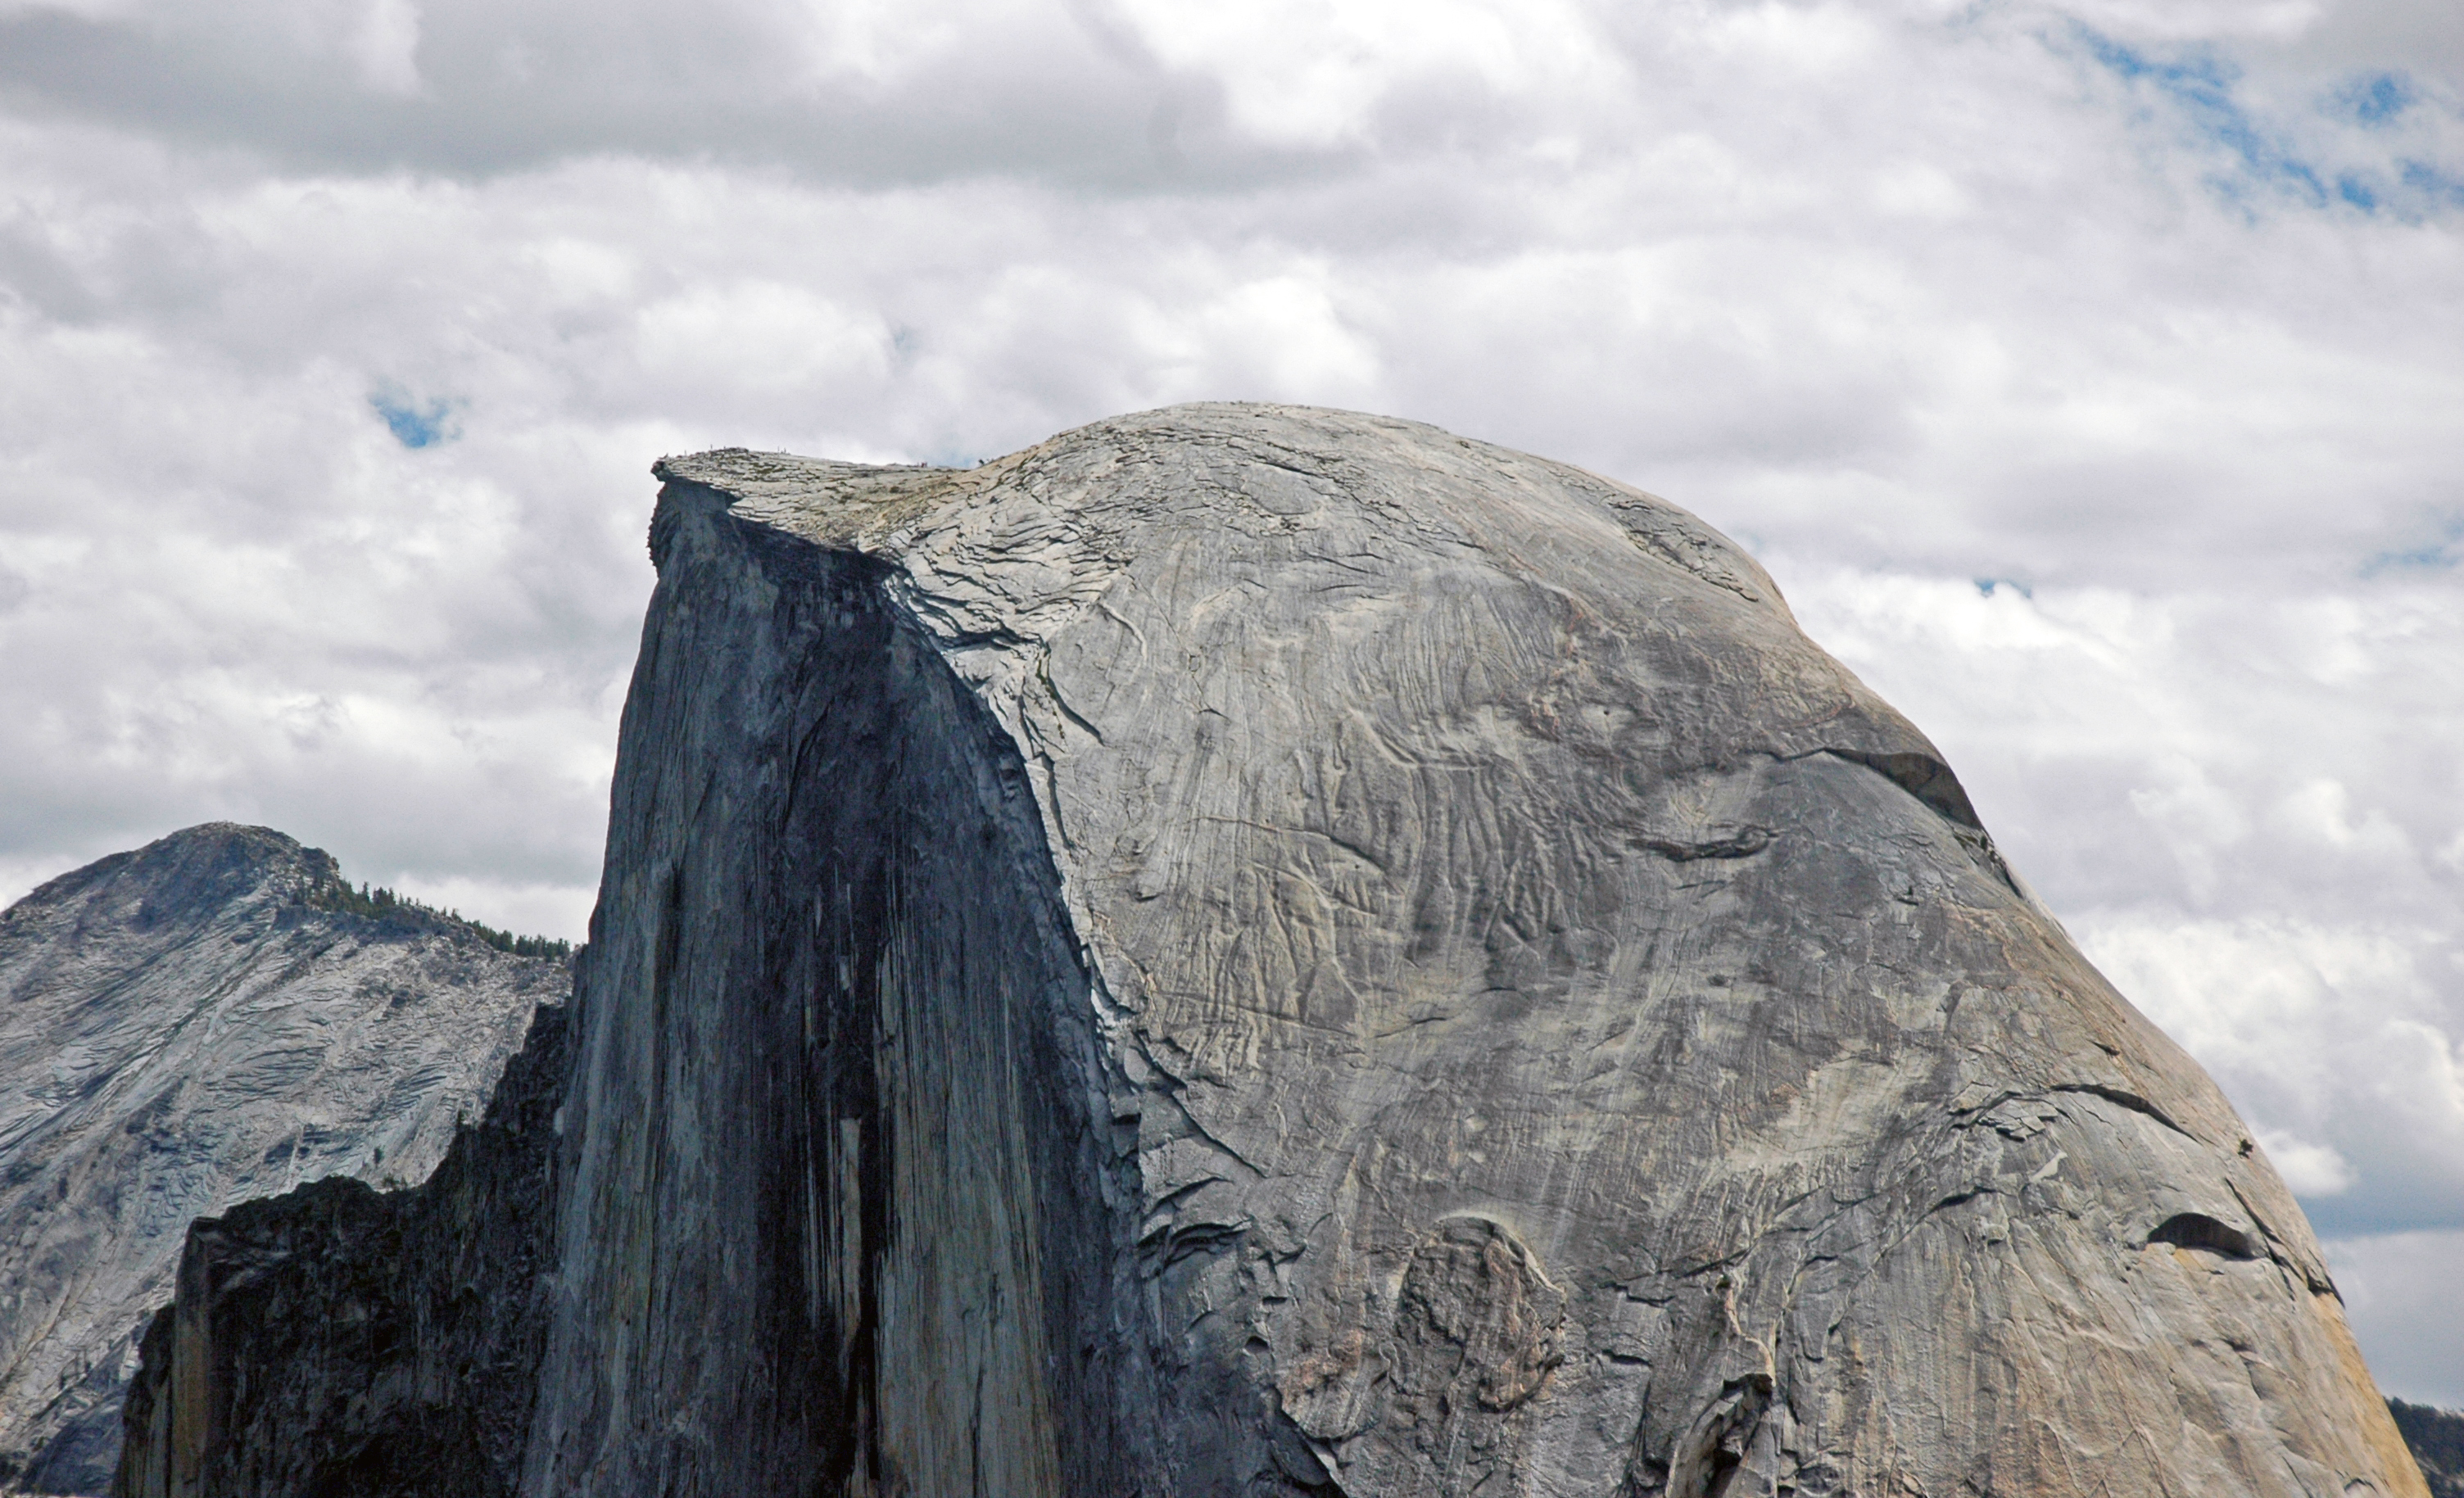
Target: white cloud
2202,20
801,344
385,45
1278,335
2310,1170
1314,75
2319,812
90,9
2399,1293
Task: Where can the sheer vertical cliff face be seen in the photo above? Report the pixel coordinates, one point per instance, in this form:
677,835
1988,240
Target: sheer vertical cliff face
1249,950
183,1029
834,1219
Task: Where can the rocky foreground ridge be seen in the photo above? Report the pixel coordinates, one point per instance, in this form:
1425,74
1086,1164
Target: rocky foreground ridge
1248,949
2436,1437
210,1019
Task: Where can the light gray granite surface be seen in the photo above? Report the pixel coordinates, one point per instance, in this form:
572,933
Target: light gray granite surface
183,1029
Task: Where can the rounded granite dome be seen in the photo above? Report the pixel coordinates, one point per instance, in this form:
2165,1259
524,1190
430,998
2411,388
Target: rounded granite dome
1250,950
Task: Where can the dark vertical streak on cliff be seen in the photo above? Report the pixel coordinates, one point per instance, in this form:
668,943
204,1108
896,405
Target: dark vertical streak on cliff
820,892
866,1182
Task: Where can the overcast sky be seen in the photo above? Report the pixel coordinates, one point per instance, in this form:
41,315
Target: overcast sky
2090,374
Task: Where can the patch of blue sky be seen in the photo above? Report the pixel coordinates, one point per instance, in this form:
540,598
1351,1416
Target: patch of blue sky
2440,552
2431,183
1988,586
415,425
2406,190
2200,86
2376,99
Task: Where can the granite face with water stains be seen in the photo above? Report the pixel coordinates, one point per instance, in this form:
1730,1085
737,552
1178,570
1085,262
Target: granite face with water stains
1251,950
183,1029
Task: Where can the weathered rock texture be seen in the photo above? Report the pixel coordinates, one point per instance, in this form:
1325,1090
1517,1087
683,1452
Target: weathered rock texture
181,1028
1248,950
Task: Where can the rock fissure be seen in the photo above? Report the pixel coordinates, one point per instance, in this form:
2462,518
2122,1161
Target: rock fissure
2125,1098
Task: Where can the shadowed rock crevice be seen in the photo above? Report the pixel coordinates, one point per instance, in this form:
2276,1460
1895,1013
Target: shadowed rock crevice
2203,1234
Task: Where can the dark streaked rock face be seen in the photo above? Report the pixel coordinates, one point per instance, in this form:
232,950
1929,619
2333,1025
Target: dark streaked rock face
183,1029
1248,950
835,1202
360,1343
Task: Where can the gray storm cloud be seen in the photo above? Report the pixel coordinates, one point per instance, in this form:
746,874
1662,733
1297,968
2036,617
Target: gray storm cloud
2087,373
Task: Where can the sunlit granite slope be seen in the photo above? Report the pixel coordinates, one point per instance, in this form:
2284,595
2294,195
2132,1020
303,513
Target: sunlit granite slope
183,1029
1249,950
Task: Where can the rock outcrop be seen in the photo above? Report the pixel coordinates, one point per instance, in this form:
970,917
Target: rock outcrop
360,1343
1248,949
183,1029
2436,1437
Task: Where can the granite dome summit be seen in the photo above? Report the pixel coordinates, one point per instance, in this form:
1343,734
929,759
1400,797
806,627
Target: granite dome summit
1250,949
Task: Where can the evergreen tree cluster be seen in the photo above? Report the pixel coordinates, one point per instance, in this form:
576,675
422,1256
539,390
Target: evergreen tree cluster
2436,1437
386,905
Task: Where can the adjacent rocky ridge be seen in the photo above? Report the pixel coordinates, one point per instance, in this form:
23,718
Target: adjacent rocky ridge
2436,1437
361,1342
1250,950
184,1027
